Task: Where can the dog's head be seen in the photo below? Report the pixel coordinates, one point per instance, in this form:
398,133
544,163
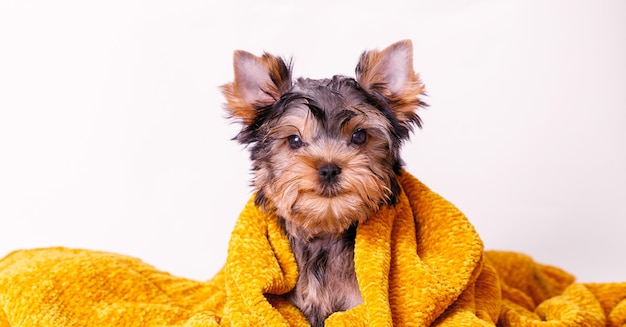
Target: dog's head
325,152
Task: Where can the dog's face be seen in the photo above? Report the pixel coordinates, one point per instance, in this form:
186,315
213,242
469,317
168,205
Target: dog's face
325,152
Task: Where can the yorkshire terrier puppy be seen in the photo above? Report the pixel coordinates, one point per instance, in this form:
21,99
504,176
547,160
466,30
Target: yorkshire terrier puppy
325,154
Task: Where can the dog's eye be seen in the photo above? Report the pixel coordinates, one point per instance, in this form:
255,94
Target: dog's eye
295,142
359,137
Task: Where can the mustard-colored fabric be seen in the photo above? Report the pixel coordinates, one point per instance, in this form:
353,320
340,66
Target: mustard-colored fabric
420,263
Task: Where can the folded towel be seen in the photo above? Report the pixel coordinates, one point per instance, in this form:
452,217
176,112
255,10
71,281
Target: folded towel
419,263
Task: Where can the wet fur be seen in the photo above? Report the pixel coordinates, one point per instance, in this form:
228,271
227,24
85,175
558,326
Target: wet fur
296,130
327,281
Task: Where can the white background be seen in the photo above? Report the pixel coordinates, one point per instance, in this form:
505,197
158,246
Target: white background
113,136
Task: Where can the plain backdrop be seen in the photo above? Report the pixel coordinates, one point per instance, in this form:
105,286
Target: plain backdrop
113,136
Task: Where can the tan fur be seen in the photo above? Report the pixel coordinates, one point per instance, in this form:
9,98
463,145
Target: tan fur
295,189
371,74
278,78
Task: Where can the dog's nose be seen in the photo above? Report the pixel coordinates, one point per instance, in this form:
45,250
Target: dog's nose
328,172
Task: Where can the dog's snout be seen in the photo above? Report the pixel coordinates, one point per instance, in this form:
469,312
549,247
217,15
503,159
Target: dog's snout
328,172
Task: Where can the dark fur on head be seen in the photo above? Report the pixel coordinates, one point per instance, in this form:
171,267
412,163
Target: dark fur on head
325,154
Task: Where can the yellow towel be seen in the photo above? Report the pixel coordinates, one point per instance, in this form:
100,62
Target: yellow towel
419,263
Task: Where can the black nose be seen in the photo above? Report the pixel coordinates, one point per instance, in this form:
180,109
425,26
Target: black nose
328,172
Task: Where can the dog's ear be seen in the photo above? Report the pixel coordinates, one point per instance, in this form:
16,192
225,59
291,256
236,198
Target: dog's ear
389,74
259,82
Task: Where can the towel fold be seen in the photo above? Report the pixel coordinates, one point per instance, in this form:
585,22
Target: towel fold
419,263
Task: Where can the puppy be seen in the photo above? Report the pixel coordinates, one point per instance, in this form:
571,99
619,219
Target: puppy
325,155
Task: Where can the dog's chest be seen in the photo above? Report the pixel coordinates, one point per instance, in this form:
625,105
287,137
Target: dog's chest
326,280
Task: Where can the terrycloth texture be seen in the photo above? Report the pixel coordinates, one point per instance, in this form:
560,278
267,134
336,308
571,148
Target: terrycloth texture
420,263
